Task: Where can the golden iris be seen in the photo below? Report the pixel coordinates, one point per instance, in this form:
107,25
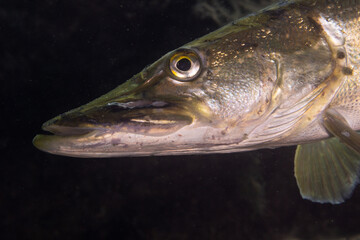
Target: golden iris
185,66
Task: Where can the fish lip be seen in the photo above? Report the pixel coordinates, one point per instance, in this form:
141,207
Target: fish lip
80,132
65,130
143,117
62,125
63,145
56,137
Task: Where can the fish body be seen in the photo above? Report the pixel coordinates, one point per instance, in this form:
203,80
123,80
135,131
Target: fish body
286,75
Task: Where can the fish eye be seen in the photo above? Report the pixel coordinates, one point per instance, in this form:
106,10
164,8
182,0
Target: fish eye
185,65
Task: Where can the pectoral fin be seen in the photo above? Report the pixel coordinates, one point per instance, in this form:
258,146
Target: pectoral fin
336,124
328,171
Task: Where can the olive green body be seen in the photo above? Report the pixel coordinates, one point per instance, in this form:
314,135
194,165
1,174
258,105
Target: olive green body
262,81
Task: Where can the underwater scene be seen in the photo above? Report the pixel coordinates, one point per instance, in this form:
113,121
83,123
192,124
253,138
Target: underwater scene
201,142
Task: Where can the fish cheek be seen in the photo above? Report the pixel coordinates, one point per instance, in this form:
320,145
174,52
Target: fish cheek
239,84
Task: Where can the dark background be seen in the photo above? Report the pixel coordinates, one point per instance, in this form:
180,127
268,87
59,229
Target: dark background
56,55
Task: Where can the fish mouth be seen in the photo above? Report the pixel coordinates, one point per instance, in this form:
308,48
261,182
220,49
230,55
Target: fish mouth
148,117
138,118
94,131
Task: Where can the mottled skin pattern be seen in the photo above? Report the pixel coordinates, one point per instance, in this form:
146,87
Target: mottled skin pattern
347,100
345,16
306,51
265,81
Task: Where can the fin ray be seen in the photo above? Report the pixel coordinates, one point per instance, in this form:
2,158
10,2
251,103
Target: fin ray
327,171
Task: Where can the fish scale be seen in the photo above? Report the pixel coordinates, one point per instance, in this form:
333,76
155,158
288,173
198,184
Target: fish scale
286,75
348,98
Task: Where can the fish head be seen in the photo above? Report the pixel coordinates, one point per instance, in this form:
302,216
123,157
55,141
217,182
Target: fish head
200,98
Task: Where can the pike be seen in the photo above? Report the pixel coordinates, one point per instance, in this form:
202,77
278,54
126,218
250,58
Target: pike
286,75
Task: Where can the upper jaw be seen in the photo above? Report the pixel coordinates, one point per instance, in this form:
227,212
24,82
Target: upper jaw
92,132
148,117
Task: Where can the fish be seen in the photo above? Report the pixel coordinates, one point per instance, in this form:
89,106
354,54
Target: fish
286,75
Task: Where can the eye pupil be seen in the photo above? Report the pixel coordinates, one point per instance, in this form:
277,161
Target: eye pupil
183,64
